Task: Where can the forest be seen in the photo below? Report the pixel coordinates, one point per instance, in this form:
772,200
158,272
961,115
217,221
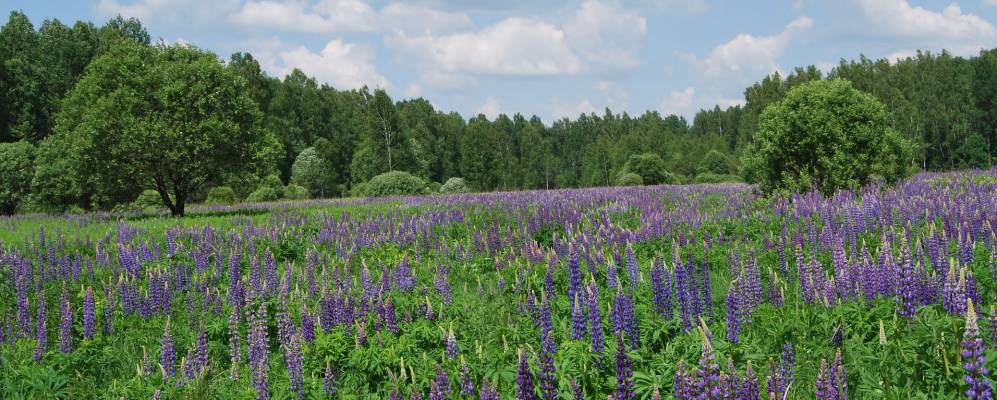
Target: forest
941,103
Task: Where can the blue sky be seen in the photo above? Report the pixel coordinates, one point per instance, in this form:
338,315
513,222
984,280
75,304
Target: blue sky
545,57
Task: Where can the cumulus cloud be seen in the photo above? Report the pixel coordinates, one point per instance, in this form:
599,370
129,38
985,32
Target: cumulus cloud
678,102
747,55
419,20
513,46
343,65
951,29
491,108
301,16
606,34
584,106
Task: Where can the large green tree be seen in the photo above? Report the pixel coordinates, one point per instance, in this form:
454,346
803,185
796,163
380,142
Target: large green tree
166,117
17,162
824,135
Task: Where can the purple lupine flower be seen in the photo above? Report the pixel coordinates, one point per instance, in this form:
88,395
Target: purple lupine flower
574,275
270,271
749,388
329,380
88,314
307,324
42,329
775,382
293,361
683,383
450,343
201,350
466,380
234,345
838,377
167,355
633,274
787,363
978,385
189,370
953,292
547,374
707,381
259,352
488,391
682,287
733,322
65,322
441,385
595,319
576,389
577,319
625,318
624,372
442,283
524,380
908,289
825,388
661,290
23,315
549,290
390,319
611,278
730,382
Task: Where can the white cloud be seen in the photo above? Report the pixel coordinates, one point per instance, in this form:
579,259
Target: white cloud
419,20
300,16
491,108
951,29
899,55
616,96
606,34
513,46
678,102
342,65
572,111
747,55
185,13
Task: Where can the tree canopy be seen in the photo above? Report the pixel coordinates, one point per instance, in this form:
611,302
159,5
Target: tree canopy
824,135
172,116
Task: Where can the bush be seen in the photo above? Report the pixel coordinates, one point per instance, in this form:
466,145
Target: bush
715,162
708,177
17,168
314,173
265,194
973,152
221,195
394,183
629,179
455,185
148,200
651,169
824,135
295,192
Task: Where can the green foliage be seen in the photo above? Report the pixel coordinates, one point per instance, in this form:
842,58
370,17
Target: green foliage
221,195
394,183
295,192
455,185
17,163
153,111
270,189
824,135
708,177
629,179
973,152
715,162
314,173
651,169
148,200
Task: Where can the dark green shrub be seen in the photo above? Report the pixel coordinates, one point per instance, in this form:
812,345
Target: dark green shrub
221,195
455,185
295,192
394,183
651,169
629,179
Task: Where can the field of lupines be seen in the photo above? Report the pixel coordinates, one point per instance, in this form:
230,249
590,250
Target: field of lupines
686,292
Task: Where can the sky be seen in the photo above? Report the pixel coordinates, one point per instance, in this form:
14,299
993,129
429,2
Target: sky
549,58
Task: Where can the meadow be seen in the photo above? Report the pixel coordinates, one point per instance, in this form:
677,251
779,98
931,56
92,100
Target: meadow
708,291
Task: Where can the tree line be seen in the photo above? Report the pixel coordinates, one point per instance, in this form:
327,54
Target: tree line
92,115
